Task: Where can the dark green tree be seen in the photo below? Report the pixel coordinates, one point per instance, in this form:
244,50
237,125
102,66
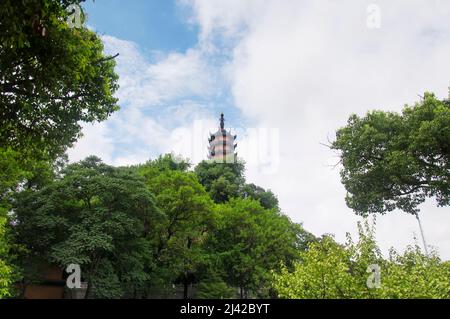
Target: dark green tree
17,173
221,180
393,160
100,217
213,286
190,217
267,199
250,241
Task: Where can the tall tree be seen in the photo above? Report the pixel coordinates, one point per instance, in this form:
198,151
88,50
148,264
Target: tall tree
221,180
250,241
393,160
53,77
189,212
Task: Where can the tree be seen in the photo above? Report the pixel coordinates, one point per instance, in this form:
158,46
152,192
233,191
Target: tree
10,174
53,77
5,269
94,215
249,242
221,180
414,274
329,270
214,287
267,199
163,163
323,273
189,219
393,160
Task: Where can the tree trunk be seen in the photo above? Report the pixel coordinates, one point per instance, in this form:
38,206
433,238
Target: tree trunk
186,289
88,289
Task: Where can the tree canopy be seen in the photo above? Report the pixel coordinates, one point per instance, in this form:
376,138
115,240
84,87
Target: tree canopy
225,181
222,181
5,269
51,80
250,241
135,231
329,270
393,160
96,216
189,217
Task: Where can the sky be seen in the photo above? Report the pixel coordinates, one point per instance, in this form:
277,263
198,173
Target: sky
287,74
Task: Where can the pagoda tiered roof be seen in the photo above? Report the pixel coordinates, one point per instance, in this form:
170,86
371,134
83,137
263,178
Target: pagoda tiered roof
222,144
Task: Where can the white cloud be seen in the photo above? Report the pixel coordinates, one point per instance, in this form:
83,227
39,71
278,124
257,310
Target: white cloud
96,138
155,96
305,66
147,83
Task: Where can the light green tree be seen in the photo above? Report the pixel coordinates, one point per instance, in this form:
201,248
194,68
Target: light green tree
5,269
334,271
10,173
414,274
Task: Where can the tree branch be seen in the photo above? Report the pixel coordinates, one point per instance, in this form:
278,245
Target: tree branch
106,59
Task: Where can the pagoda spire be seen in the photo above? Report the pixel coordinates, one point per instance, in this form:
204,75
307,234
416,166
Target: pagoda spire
222,121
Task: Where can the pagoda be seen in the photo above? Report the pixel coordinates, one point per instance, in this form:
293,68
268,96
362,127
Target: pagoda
221,147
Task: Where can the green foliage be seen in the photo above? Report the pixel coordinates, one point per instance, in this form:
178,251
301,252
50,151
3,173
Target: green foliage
51,81
11,173
5,269
249,242
138,230
134,230
96,216
222,181
416,275
166,162
267,199
328,270
189,217
213,287
396,160
322,273
163,163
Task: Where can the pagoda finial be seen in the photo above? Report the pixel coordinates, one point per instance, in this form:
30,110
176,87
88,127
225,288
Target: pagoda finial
222,121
